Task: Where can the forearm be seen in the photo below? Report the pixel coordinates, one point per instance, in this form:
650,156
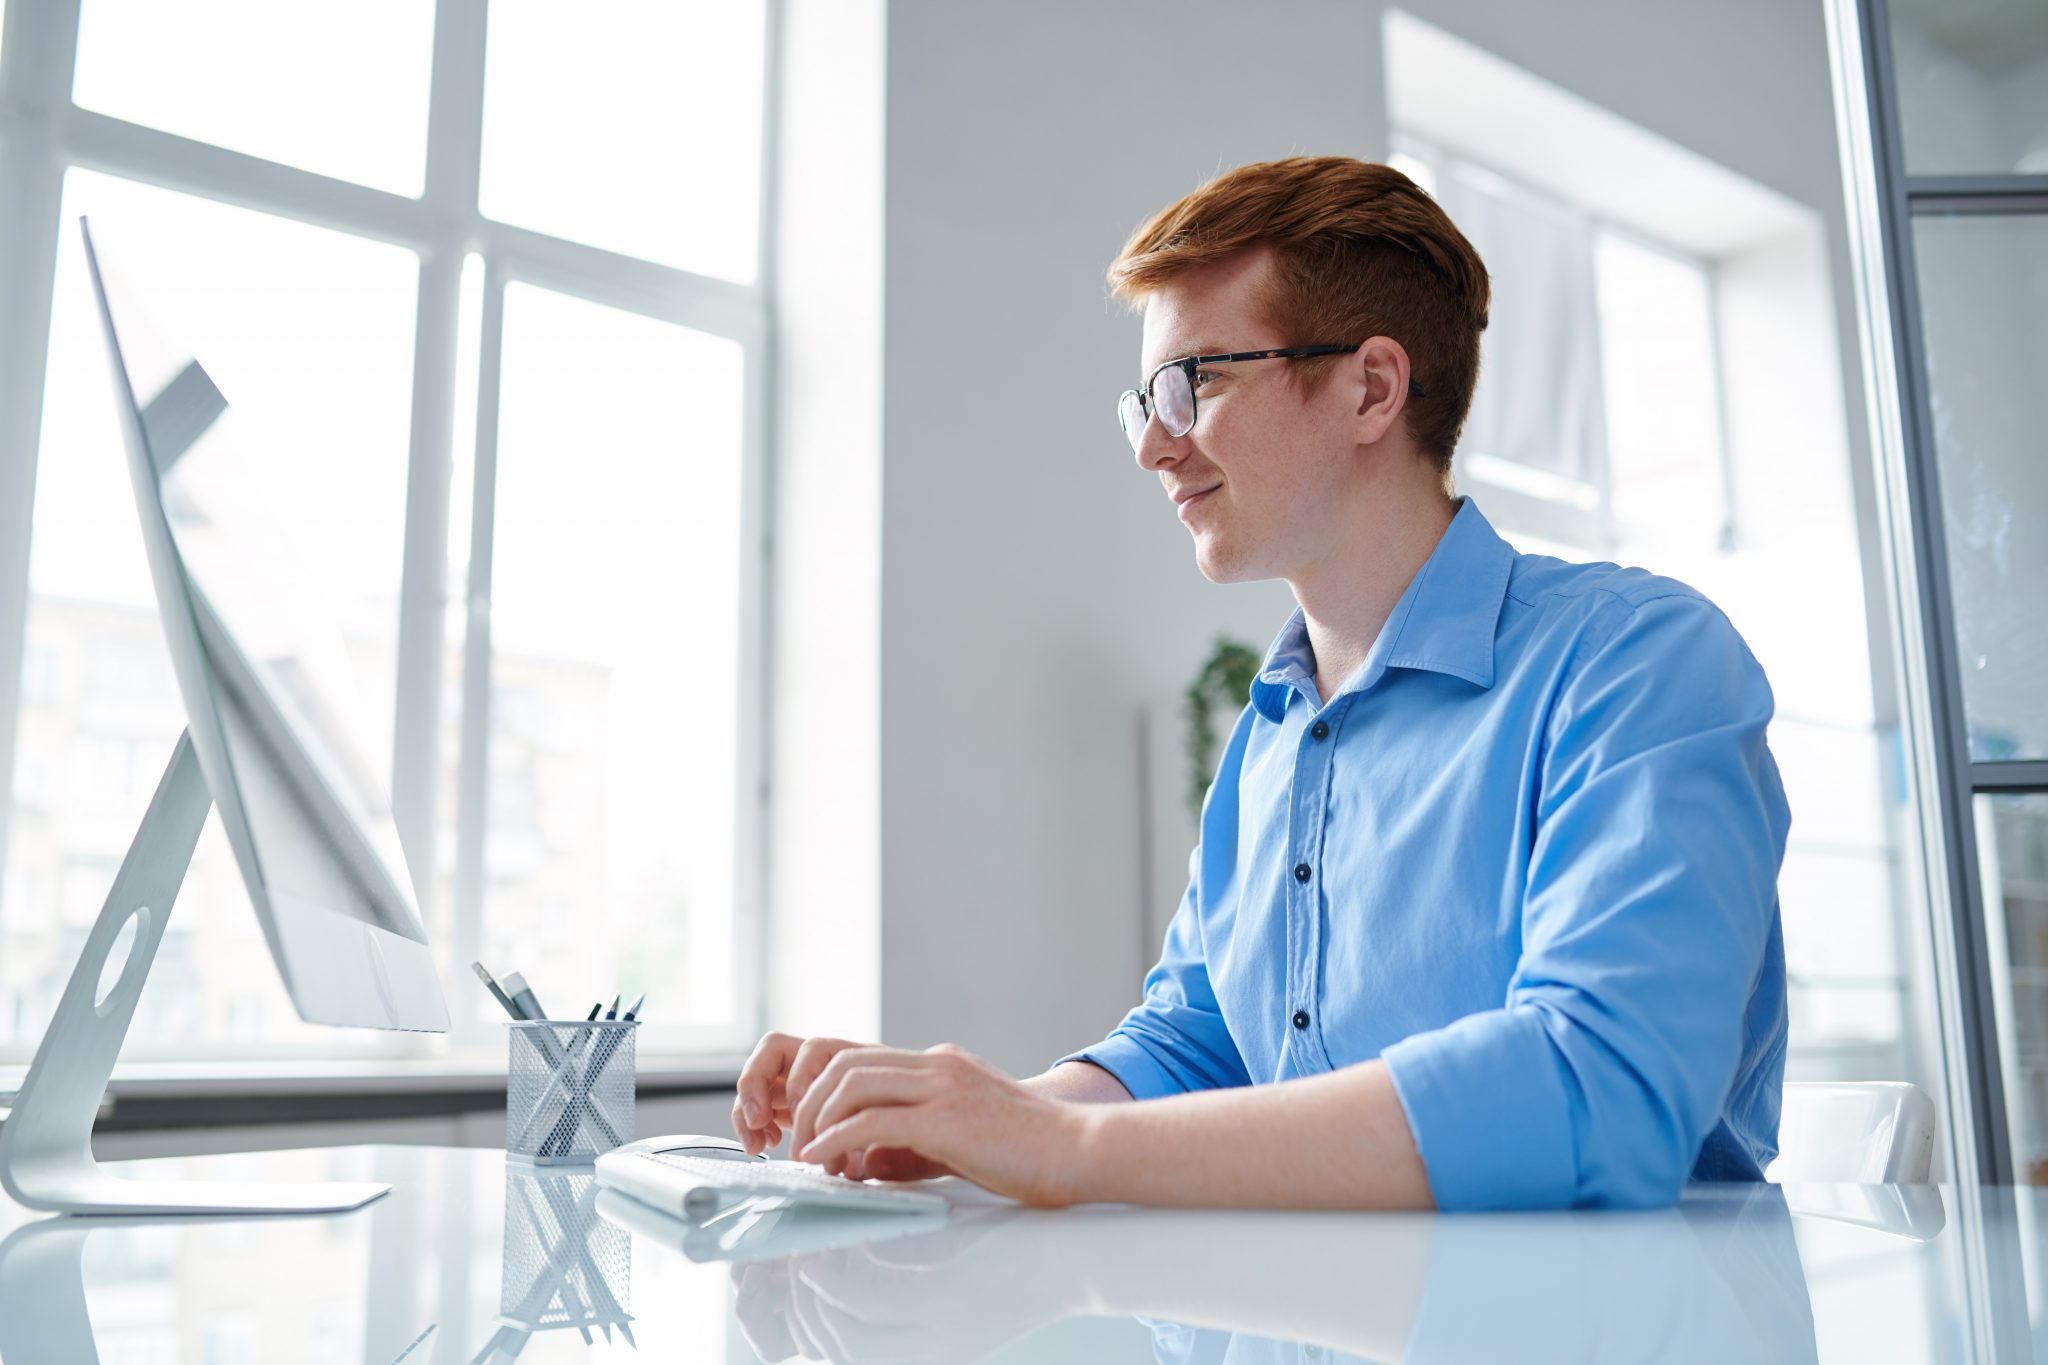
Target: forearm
1078,1083
1334,1141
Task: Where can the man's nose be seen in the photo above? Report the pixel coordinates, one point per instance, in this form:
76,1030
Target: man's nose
1156,449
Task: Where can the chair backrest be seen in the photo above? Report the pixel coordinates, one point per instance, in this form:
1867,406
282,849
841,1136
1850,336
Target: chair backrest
1868,1132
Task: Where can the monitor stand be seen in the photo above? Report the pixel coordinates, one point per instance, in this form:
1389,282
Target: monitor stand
46,1159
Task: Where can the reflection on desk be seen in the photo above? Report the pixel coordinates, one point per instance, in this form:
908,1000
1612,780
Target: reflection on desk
474,1260
1713,1280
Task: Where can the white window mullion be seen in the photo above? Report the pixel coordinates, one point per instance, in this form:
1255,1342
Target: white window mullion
1599,448
154,157
1731,516
454,139
750,777
40,54
627,283
472,784
753,865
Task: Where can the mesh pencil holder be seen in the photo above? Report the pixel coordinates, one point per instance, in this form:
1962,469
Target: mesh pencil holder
569,1089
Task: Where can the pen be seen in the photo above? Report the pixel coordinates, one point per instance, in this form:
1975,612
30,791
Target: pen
497,992
523,996
558,1138
582,1039
601,1053
564,1076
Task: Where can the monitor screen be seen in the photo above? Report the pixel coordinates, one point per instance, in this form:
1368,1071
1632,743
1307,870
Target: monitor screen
269,699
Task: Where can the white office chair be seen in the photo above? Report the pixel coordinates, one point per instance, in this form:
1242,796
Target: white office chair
1865,1132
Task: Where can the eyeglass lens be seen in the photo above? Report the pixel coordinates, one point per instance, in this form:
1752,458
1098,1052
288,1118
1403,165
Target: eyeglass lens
1130,411
1172,397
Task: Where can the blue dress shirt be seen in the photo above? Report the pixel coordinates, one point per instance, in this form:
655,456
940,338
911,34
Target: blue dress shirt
1527,856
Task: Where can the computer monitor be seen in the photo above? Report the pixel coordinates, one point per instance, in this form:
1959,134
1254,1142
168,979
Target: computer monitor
271,742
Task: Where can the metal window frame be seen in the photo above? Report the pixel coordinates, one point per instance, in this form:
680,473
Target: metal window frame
43,134
1880,202
1949,819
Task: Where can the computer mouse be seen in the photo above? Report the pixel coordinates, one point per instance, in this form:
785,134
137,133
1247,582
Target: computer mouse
694,1144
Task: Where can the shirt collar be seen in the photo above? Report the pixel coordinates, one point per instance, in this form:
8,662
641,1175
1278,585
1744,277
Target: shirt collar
1444,622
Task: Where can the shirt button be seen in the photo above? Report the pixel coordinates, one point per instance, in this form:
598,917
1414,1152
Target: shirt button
1301,872
1320,730
1301,1018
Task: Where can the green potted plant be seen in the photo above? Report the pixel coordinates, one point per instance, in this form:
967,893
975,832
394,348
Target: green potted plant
1222,687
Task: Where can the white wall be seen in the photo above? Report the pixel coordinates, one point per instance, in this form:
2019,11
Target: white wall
1036,589
1035,592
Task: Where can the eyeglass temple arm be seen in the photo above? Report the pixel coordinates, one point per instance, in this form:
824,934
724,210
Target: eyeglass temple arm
1291,352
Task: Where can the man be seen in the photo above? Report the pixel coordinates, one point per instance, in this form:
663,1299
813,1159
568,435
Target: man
1483,913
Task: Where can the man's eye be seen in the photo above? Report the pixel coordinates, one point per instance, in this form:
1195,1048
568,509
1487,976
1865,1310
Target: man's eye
1204,376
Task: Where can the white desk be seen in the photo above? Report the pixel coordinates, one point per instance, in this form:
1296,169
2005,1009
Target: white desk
430,1274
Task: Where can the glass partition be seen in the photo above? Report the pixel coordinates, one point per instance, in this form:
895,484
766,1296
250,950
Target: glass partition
1973,85
2012,852
1984,302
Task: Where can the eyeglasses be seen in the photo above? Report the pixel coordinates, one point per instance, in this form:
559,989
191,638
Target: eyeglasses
1170,390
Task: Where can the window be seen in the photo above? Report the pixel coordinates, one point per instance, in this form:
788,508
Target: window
614,615
282,82
494,342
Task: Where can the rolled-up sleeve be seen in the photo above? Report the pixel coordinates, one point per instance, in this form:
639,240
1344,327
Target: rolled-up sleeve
1175,1040
1649,905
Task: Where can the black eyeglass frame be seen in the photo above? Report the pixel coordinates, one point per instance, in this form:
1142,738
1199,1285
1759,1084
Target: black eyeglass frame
1188,364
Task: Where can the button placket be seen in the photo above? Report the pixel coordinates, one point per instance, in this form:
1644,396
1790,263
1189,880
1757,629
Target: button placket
1312,769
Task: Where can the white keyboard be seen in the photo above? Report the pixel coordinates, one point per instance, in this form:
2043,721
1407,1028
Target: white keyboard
698,1187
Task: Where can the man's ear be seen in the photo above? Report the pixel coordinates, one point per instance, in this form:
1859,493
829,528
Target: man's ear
1380,369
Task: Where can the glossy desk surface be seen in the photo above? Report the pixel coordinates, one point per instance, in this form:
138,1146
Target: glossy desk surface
474,1259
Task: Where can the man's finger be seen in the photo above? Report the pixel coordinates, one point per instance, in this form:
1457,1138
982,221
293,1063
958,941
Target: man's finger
888,1125
864,1086
765,1066
755,1138
803,1118
810,1060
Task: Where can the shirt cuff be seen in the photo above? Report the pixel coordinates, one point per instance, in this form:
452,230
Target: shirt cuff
1489,1112
1138,1070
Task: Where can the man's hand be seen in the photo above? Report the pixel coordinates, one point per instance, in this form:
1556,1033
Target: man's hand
944,1107
775,1080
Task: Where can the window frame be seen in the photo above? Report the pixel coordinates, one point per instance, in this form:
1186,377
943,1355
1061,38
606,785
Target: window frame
43,134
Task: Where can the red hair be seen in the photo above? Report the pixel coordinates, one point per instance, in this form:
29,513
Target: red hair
1359,251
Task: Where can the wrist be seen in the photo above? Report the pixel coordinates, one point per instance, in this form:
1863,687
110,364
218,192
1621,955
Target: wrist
1091,1142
